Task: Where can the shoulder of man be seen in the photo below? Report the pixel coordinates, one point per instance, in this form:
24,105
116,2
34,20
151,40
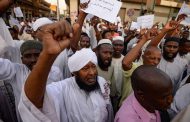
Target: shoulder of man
104,87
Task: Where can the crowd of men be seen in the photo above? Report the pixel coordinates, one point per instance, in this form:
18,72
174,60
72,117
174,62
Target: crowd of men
93,71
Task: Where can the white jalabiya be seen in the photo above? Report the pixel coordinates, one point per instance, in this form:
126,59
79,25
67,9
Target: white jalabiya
118,73
173,69
62,62
64,101
181,100
16,74
5,37
4,32
93,40
13,52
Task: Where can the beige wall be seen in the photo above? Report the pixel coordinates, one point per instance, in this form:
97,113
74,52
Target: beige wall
161,12
73,9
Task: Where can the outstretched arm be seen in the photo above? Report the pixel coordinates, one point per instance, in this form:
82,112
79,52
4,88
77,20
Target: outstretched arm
168,28
55,38
133,53
77,28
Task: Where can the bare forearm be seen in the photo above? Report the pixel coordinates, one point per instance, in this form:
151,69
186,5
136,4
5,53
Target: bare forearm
155,41
36,82
128,38
132,55
77,31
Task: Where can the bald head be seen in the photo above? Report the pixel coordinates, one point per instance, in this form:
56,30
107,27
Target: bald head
152,88
147,78
152,56
151,49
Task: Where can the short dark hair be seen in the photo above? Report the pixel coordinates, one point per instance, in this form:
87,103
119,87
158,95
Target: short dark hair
104,33
83,34
183,41
30,44
173,39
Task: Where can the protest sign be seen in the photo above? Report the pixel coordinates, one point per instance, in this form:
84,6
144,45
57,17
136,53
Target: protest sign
18,12
118,19
84,1
105,9
134,25
89,17
146,21
185,9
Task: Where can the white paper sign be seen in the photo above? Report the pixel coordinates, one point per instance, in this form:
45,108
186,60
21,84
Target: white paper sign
134,25
105,9
185,9
84,1
186,22
18,12
118,20
146,21
89,17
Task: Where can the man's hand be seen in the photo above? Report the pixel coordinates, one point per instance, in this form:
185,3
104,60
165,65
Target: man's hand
172,25
177,32
83,6
143,31
148,34
181,17
94,21
55,37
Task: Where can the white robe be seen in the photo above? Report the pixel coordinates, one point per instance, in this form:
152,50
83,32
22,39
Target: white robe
181,100
62,62
5,37
174,70
64,101
16,74
118,73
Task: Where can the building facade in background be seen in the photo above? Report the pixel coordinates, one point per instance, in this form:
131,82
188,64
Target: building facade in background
32,8
163,10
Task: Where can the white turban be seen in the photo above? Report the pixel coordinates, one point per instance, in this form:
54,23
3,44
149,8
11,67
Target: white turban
118,38
81,58
104,41
41,22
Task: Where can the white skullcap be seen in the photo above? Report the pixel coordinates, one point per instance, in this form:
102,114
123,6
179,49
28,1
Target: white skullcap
118,38
41,22
81,58
104,41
